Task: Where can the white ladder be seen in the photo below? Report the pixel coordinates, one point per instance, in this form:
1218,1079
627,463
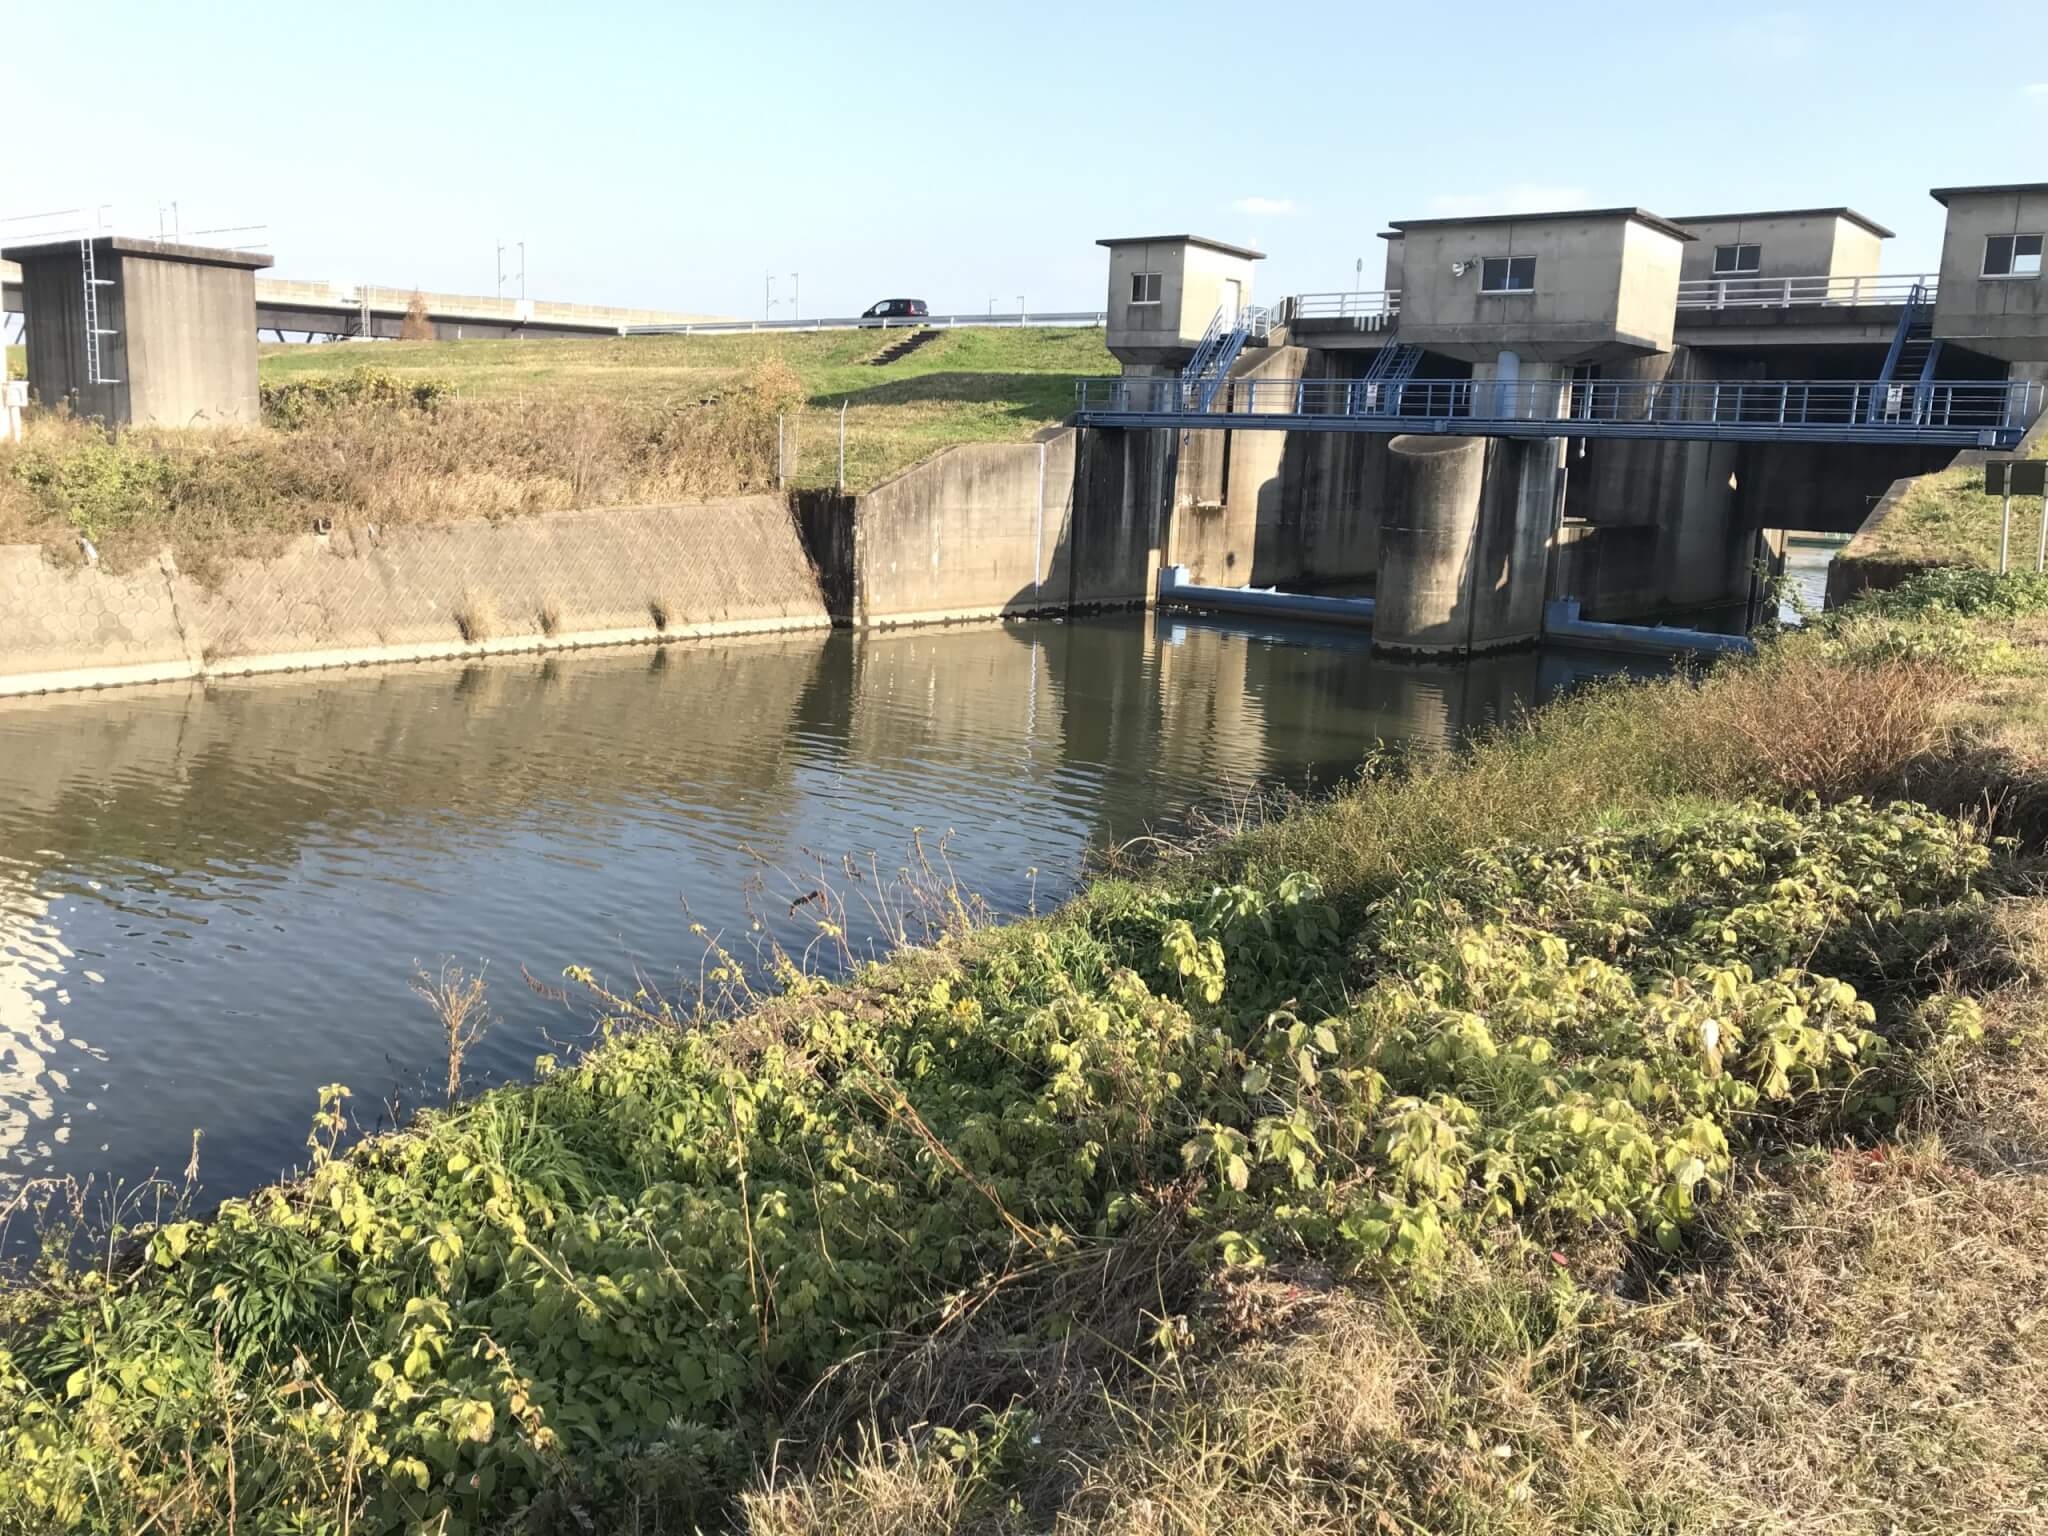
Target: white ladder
95,364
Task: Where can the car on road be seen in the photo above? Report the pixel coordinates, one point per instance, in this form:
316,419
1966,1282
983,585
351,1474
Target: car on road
895,311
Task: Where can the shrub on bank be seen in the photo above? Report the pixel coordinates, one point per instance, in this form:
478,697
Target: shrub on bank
368,447
644,1261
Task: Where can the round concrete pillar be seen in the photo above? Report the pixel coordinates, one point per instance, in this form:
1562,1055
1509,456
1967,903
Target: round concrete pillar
1429,536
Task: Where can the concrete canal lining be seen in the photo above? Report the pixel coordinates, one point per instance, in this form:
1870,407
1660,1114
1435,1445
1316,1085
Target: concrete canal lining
621,575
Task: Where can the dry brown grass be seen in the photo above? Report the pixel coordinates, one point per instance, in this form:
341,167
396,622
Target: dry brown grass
476,617
240,491
1829,728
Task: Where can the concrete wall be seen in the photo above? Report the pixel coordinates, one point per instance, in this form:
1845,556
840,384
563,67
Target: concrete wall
1206,279
1148,332
979,531
1227,483
1320,524
2005,317
1123,487
617,575
1606,285
1819,243
190,342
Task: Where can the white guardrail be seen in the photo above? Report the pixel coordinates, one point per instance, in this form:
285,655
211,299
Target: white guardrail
1077,319
1378,309
1370,311
1793,292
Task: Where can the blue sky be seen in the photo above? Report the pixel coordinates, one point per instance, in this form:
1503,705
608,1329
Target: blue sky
671,155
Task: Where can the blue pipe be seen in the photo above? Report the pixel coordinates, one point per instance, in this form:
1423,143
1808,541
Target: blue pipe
1174,587
1563,626
1561,622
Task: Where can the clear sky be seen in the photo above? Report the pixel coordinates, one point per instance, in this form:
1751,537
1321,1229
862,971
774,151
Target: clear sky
670,155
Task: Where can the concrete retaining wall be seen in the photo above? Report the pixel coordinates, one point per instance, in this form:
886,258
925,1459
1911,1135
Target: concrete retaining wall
980,531
617,575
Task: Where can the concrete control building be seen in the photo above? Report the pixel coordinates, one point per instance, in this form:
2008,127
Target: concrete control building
1166,290
1650,402
142,332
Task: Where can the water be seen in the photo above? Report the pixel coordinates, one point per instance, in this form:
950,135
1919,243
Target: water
212,897
1807,557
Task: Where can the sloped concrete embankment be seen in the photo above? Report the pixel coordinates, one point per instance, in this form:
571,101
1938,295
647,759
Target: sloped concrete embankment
1863,567
604,577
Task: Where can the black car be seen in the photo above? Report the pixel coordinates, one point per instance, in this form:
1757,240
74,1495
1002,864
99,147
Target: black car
895,311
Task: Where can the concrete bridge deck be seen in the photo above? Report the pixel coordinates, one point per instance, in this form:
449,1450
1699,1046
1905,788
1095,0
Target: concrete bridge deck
346,309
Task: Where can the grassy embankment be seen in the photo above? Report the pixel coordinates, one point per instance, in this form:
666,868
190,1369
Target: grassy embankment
1946,519
1622,1127
514,428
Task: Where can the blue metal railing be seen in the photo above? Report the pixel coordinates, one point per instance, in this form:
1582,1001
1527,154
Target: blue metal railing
1962,411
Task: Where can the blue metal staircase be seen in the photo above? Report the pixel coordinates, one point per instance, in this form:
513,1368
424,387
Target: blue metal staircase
1393,366
1913,355
1215,354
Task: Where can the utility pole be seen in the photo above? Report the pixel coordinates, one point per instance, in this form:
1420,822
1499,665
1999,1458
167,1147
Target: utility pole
522,270
796,302
501,266
1358,275
767,296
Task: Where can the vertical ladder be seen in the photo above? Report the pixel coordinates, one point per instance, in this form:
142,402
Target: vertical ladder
95,362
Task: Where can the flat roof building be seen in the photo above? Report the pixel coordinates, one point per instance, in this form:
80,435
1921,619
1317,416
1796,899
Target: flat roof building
1994,296
1165,289
1582,286
137,332
1749,249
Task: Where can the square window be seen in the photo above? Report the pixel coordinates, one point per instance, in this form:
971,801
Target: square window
1144,287
1508,274
2012,256
1734,260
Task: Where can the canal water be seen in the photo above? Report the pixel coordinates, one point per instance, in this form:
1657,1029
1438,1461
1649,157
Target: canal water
213,897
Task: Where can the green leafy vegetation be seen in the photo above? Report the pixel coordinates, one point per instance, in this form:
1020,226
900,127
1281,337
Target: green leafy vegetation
1479,1075
1442,1070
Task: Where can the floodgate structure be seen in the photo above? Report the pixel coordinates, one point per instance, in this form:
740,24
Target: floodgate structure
1604,407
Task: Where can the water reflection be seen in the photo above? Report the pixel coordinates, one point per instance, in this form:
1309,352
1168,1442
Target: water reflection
212,896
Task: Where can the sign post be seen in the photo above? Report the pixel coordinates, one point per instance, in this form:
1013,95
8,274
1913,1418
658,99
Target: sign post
2019,477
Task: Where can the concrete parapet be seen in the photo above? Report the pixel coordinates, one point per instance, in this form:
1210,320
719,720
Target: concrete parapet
635,574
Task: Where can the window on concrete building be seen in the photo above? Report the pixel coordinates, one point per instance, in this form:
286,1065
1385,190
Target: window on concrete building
2012,256
1144,287
1508,274
1734,260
